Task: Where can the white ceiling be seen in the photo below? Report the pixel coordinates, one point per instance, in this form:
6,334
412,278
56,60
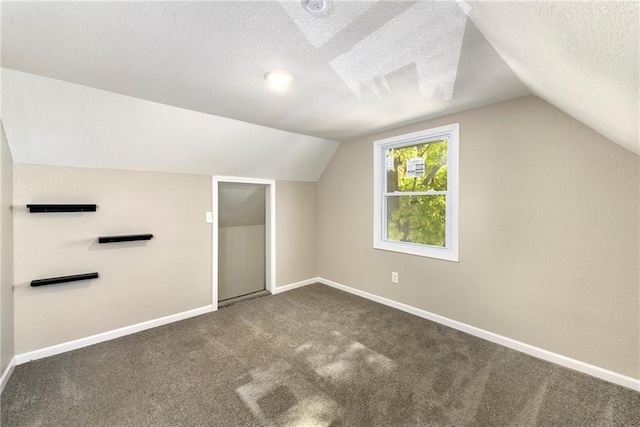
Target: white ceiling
581,57
365,67
51,122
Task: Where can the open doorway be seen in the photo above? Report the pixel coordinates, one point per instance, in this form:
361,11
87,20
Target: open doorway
243,243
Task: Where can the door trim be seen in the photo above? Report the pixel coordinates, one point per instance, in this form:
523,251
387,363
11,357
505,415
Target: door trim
270,231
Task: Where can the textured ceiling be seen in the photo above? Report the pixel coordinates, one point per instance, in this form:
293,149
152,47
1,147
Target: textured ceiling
51,122
581,57
367,66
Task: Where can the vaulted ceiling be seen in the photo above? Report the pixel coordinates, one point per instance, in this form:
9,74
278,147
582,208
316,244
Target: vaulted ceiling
580,56
189,69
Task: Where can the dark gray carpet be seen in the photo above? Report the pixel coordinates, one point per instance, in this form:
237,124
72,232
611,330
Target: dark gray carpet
313,356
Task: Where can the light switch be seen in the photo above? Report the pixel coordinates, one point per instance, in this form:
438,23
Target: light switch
209,217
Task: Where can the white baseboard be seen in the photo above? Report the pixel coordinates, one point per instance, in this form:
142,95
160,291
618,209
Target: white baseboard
127,330
540,353
109,335
295,285
7,374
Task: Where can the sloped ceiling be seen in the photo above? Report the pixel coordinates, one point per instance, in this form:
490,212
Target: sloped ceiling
241,205
581,57
51,122
364,67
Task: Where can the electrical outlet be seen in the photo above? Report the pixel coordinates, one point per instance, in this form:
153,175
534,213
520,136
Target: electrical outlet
394,277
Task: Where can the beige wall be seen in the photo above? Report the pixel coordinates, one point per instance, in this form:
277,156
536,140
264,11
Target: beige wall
138,281
241,263
241,239
548,234
6,253
296,216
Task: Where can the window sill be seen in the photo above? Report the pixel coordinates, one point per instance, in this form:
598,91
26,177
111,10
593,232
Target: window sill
418,250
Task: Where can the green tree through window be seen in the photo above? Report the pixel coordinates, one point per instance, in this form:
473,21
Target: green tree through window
415,205
415,193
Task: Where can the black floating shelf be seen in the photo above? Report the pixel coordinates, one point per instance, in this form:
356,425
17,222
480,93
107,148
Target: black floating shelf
63,279
127,238
61,208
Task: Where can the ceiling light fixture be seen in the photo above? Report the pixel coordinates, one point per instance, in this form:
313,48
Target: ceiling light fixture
278,79
316,7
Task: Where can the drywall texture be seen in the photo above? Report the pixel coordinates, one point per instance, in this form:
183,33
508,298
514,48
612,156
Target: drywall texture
240,204
241,263
296,227
6,253
138,281
548,228
582,57
426,44
56,123
241,239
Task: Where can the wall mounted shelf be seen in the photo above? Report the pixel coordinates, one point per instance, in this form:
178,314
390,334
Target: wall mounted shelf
125,238
64,279
61,208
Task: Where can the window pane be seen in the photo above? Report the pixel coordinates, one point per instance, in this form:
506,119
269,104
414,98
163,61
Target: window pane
420,167
416,219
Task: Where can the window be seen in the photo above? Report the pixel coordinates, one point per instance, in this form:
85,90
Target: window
416,193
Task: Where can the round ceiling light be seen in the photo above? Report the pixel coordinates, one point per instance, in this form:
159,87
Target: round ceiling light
316,7
278,79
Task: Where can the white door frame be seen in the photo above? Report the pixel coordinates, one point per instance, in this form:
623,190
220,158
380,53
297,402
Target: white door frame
270,231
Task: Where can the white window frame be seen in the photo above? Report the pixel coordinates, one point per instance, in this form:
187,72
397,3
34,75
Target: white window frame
450,251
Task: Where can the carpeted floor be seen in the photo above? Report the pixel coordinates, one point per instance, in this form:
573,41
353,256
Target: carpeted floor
314,356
